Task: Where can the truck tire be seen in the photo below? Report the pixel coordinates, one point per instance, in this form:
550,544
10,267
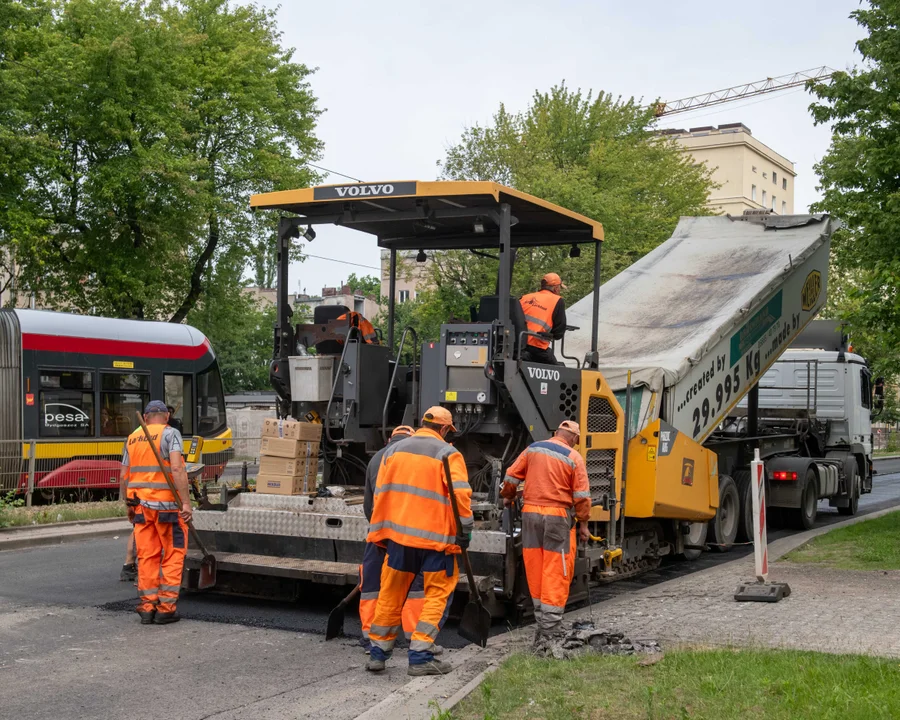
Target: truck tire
696,536
855,486
745,526
804,517
723,527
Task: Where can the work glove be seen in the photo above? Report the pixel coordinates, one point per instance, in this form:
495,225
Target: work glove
131,513
463,541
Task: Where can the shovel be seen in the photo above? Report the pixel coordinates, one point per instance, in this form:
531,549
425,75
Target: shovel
475,625
335,625
208,564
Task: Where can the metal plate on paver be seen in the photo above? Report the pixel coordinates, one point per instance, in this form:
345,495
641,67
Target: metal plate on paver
336,525
320,571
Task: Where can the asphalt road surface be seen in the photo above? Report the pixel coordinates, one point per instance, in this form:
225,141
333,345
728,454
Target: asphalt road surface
71,646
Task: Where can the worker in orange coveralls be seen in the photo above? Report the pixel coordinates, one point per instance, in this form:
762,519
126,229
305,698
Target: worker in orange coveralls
160,525
556,493
373,560
414,521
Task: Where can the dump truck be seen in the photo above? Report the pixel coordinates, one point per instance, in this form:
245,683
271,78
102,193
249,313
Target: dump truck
657,358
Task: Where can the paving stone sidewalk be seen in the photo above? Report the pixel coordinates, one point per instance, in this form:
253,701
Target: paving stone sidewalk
836,611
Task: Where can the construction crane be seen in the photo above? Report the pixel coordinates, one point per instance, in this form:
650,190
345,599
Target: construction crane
739,92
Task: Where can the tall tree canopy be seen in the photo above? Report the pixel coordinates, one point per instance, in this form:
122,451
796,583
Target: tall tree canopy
860,183
132,133
596,155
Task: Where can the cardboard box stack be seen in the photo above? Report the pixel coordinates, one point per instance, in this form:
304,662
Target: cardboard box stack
289,457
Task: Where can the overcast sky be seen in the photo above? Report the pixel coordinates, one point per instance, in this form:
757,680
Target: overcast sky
399,81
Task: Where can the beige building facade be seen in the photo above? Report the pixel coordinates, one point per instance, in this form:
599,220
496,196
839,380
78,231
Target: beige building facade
304,304
411,275
750,175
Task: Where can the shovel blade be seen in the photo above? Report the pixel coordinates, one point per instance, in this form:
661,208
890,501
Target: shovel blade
207,577
475,625
335,625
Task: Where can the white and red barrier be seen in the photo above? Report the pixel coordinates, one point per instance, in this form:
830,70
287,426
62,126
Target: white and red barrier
760,541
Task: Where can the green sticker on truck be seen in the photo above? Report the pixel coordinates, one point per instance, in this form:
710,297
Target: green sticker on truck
754,329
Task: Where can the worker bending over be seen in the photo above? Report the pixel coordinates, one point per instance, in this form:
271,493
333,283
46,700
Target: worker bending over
366,329
545,313
413,520
373,560
160,530
556,493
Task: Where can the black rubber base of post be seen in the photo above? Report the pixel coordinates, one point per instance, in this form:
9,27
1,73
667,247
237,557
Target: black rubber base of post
761,592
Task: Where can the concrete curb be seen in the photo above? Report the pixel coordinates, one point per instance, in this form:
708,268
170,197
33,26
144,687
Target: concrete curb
58,533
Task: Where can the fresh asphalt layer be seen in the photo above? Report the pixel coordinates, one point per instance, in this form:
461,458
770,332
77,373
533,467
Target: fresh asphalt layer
69,643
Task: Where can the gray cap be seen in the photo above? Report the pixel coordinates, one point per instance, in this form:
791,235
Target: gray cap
155,406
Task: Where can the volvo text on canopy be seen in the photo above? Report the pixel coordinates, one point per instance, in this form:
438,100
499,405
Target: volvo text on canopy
73,383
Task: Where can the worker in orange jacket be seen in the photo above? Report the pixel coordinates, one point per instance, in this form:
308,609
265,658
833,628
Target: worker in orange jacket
160,524
366,329
373,559
556,493
413,520
545,313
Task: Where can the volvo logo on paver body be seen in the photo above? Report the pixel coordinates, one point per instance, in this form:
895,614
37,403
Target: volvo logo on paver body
543,373
364,190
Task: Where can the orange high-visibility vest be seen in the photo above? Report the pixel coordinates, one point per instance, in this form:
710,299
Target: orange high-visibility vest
145,481
538,308
555,476
412,502
366,329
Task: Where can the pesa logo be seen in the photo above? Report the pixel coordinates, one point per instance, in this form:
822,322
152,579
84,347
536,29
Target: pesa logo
69,416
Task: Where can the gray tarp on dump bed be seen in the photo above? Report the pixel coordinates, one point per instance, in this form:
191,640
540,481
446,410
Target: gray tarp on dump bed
663,315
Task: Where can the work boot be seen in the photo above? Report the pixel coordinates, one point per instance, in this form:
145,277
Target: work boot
434,667
373,665
166,618
538,639
129,573
146,616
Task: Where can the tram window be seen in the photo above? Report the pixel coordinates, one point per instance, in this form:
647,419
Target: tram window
67,403
178,396
121,396
210,402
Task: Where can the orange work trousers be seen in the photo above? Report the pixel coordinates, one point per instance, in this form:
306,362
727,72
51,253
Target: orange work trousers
440,574
548,549
160,537
370,587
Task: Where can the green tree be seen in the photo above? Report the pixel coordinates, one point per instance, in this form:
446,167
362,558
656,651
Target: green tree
368,285
596,155
860,184
135,131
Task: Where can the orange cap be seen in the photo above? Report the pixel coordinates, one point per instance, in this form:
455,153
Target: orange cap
552,280
571,426
402,430
440,416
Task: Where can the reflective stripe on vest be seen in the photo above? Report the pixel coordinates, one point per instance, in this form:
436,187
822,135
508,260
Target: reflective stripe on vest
538,309
145,481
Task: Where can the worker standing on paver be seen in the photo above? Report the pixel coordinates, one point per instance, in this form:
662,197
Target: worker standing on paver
160,529
373,559
556,493
366,329
545,313
413,520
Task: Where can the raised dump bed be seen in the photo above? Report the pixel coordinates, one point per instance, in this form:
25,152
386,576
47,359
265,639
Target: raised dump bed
703,316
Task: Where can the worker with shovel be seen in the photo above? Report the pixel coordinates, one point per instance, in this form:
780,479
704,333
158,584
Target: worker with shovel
414,520
556,493
160,530
373,559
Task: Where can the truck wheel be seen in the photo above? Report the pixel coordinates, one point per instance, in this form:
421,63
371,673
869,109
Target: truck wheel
853,507
804,517
696,536
745,505
724,526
